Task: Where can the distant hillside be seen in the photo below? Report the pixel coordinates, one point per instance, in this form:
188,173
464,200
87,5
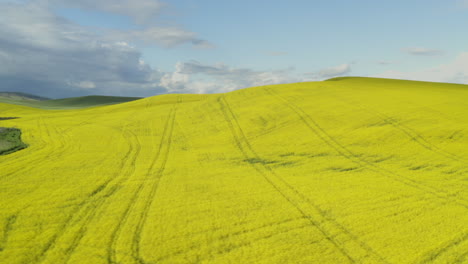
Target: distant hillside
86,101
66,103
22,96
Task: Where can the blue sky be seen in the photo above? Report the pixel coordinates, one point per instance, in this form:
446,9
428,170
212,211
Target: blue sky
61,48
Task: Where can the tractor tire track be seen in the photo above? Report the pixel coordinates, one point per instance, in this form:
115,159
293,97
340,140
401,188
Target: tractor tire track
332,231
45,150
112,257
105,190
98,203
462,258
225,237
432,255
68,251
49,151
88,207
411,133
164,149
236,246
128,169
345,152
10,221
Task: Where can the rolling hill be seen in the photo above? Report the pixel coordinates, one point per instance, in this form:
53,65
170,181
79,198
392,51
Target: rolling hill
350,170
66,103
22,96
86,101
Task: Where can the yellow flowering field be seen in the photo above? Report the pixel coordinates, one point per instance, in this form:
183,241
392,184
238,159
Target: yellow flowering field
350,170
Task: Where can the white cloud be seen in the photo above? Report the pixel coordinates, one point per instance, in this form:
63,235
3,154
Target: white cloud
453,72
326,73
420,51
164,36
175,81
45,54
194,77
48,55
142,12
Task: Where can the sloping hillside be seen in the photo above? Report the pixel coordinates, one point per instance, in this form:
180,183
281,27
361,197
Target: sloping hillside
66,103
22,96
86,101
356,170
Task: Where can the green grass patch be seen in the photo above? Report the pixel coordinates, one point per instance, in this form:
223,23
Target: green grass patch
10,140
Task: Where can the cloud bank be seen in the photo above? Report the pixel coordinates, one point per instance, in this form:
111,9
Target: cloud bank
42,53
39,50
194,77
45,54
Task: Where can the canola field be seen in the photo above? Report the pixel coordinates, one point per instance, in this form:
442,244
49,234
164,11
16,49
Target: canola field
351,170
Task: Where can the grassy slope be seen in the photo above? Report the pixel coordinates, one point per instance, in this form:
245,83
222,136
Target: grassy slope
10,140
87,101
356,170
22,96
18,101
69,103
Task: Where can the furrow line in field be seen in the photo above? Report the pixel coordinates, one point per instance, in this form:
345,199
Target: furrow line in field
99,202
411,133
226,200
462,258
432,255
345,152
334,232
239,140
165,150
225,237
112,257
273,129
68,251
419,139
228,236
99,195
235,246
77,125
86,209
46,149
128,169
49,152
10,221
